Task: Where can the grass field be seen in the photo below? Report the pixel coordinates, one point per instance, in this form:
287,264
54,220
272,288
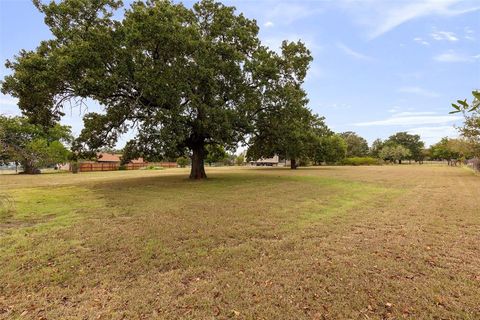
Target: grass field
316,243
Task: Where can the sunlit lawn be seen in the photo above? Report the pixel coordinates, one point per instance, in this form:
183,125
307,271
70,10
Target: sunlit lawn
315,243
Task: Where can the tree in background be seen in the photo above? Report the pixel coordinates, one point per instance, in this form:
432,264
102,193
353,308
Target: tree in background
215,153
240,160
394,153
184,78
356,145
453,150
31,145
411,142
285,126
182,162
471,132
376,147
329,149
443,151
471,126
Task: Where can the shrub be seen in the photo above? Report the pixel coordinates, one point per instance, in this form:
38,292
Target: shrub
240,160
182,162
360,161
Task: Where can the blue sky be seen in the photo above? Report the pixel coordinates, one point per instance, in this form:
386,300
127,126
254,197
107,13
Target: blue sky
379,66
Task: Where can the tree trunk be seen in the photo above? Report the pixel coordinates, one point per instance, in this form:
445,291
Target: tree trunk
198,166
293,163
28,168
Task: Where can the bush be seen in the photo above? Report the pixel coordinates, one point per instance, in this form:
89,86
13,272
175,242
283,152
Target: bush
360,161
122,167
182,162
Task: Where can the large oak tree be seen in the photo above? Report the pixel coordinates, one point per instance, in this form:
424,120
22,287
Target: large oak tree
184,78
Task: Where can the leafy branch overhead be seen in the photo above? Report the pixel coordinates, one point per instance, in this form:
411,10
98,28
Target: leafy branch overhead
464,106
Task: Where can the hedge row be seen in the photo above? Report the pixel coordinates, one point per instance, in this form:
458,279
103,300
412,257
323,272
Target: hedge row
360,161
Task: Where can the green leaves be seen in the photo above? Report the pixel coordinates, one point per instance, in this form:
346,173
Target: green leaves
31,145
183,77
463,106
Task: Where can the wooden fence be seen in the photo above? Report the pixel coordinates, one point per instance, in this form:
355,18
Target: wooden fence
97,166
474,164
112,166
136,166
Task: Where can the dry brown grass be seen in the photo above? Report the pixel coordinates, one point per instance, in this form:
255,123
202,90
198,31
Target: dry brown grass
316,243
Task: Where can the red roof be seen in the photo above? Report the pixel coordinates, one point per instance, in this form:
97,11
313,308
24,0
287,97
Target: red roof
110,157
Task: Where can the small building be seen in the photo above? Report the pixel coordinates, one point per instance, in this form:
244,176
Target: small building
269,162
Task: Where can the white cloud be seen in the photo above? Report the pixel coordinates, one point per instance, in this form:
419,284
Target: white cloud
432,135
444,35
418,91
287,13
421,41
394,109
413,113
352,53
452,56
268,24
469,33
383,16
411,119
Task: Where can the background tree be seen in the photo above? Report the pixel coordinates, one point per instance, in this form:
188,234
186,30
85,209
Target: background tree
185,78
377,145
182,162
471,127
31,145
285,126
443,151
356,145
394,153
453,150
215,153
230,159
240,160
411,142
329,149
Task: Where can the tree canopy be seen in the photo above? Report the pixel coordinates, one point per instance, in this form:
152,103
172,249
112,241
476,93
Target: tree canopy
329,149
411,142
31,145
184,78
356,145
394,153
285,126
